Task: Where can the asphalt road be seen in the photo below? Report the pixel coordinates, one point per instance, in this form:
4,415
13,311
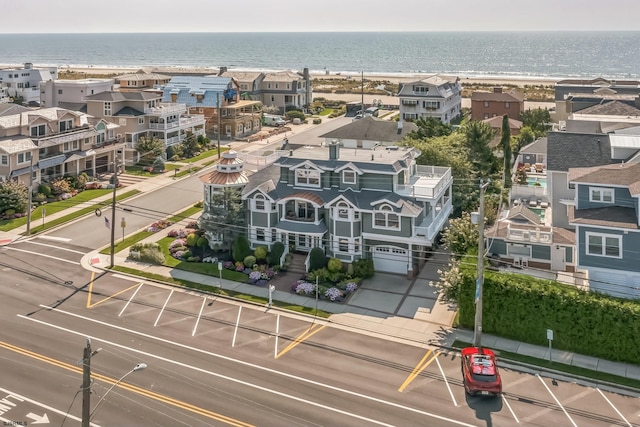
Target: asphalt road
218,362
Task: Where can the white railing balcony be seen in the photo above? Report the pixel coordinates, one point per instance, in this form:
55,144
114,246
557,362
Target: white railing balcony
165,109
430,227
197,119
536,235
172,141
429,182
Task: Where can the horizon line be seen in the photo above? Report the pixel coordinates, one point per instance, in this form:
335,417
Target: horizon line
330,31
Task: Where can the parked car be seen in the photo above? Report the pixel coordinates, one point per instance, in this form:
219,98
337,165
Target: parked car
480,371
273,120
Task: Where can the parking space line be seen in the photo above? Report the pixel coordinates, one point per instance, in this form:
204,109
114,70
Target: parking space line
163,307
204,300
419,368
275,347
504,399
90,293
556,399
311,331
130,299
614,408
446,382
235,330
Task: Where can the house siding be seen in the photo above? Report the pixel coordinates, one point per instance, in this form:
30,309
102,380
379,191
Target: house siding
622,197
630,249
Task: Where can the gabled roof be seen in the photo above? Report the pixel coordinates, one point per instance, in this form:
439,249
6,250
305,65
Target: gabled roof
282,76
539,146
571,150
372,129
612,108
211,90
523,212
10,109
622,174
599,81
142,76
496,122
242,76
511,96
16,144
128,111
123,96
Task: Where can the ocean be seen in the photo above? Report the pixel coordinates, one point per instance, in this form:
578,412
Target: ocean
513,55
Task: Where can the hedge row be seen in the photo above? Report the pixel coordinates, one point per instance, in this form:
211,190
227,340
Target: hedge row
522,308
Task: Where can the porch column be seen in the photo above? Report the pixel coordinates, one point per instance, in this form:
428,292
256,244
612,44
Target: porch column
410,262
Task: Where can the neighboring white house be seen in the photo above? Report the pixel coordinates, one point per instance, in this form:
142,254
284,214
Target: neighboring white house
56,93
435,96
25,82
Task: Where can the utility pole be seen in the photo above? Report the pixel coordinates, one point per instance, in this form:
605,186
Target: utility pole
86,384
113,209
362,92
219,120
30,196
477,332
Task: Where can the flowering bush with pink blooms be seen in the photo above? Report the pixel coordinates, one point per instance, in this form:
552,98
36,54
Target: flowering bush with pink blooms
333,294
302,287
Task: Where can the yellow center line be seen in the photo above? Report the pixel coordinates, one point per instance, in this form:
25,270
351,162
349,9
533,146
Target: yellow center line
419,368
313,329
150,394
89,295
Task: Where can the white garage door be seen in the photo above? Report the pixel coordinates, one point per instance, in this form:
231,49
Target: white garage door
390,259
616,284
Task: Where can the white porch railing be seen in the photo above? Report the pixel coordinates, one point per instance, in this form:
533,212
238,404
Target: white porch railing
429,230
284,255
429,182
527,234
166,108
259,159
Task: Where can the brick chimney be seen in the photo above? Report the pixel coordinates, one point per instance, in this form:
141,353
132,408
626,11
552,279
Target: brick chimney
497,90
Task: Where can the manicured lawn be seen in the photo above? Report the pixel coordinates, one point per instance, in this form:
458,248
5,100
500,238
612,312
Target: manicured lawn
556,366
141,235
186,171
325,112
80,212
205,155
219,291
139,170
54,207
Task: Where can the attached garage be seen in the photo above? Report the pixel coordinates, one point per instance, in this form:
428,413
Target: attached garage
390,259
615,284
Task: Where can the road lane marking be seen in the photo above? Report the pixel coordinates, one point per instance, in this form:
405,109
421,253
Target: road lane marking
419,368
195,327
55,247
12,248
162,309
42,405
230,359
557,401
90,293
138,390
446,382
59,239
130,299
311,331
275,347
614,408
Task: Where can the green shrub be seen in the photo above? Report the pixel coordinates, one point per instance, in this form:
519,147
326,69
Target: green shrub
192,239
317,121
260,253
193,259
317,259
60,186
321,274
334,265
240,249
295,114
363,268
202,242
276,253
149,253
44,189
10,212
13,195
249,261
187,255
158,164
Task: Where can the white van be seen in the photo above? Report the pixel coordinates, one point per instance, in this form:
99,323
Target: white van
273,120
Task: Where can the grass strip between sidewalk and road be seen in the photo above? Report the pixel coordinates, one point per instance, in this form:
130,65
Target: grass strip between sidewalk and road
81,212
141,235
560,367
220,291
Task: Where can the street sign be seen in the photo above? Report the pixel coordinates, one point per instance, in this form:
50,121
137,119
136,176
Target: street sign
550,334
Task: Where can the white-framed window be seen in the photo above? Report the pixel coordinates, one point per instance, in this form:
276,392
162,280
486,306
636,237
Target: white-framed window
602,195
604,245
38,130
342,211
343,245
385,217
259,202
70,146
486,104
140,120
273,99
59,91
4,159
348,177
507,105
308,177
24,157
107,108
260,235
65,125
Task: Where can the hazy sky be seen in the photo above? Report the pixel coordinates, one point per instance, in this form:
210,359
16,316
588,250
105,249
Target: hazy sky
100,16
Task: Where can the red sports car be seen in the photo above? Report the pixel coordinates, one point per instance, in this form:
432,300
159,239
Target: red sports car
480,372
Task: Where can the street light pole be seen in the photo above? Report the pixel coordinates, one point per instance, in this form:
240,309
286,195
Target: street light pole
30,197
86,384
477,332
219,120
138,367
